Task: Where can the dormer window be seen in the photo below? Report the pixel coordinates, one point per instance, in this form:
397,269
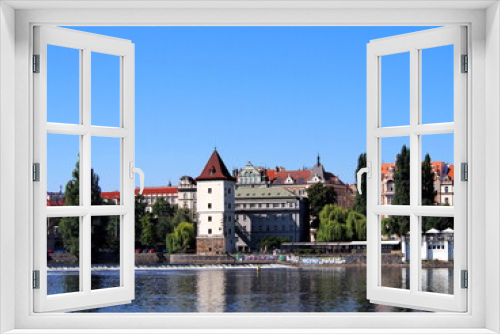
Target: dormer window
212,171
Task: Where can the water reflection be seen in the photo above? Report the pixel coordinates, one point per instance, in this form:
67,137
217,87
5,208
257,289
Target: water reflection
439,280
211,288
340,289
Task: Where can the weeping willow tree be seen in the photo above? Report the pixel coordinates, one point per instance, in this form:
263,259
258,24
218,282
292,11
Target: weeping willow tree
182,238
339,224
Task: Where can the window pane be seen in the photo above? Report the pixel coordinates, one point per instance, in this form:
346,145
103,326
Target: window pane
437,254
438,171
63,248
437,84
395,171
63,171
105,90
105,252
395,90
63,85
106,170
395,269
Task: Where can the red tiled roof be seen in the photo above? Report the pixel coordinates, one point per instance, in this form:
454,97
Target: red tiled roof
386,167
147,191
215,169
296,175
56,203
270,173
157,190
437,166
110,195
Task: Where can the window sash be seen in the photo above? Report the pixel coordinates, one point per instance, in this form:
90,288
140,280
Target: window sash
413,43
86,297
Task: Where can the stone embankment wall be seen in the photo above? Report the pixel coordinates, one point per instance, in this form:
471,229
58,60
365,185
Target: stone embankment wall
348,259
55,259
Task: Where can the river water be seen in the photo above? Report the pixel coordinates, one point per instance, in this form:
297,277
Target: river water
339,289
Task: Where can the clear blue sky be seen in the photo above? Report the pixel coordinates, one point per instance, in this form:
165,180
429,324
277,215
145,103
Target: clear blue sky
269,95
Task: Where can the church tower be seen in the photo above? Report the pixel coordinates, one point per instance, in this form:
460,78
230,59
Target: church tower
215,207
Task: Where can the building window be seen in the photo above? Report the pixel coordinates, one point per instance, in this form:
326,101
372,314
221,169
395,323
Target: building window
229,205
445,189
228,190
209,190
209,205
447,200
209,231
209,218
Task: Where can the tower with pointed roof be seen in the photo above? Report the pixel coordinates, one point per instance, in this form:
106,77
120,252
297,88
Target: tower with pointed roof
215,193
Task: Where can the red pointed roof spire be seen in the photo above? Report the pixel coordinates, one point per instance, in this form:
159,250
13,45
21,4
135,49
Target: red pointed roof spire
215,169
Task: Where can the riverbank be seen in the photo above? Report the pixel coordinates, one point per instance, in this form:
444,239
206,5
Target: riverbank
179,267
153,260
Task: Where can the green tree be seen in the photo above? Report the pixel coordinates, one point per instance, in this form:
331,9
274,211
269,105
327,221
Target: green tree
360,201
428,193
140,210
319,196
400,225
163,214
402,177
182,215
357,222
69,227
182,238
147,229
271,242
395,225
339,224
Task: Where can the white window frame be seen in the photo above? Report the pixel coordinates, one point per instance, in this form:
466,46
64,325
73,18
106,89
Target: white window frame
414,43
483,19
86,44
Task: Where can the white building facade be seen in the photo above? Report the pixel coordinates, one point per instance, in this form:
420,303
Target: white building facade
215,208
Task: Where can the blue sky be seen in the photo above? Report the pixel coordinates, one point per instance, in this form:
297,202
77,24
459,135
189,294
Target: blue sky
275,96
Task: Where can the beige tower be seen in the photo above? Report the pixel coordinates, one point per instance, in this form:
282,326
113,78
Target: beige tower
215,207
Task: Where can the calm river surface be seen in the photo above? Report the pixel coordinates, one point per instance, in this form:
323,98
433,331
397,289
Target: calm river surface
340,289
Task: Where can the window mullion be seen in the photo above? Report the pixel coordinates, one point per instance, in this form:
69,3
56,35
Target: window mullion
86,255
415,178
86,174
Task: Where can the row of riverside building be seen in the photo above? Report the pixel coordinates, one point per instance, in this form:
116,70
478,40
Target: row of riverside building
235,212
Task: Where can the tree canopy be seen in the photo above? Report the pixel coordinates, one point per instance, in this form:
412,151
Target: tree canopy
340,224
428,192
271,242
319,196
182,238
104,229
400,225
